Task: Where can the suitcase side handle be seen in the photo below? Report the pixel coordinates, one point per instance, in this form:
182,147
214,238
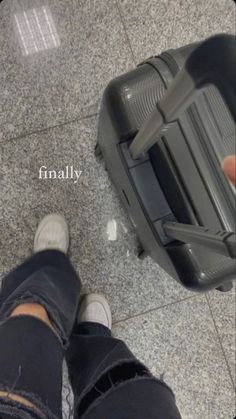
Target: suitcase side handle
211,63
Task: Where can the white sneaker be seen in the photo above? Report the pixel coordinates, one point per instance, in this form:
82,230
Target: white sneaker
52,233
95,308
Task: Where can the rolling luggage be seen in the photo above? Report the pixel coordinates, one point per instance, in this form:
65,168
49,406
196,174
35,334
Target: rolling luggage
164,129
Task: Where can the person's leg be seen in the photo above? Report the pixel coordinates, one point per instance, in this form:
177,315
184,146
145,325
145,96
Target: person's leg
107,379
31,359
38,304
47,278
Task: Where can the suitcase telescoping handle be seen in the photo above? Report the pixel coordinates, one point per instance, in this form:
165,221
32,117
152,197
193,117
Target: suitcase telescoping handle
211,63
221,242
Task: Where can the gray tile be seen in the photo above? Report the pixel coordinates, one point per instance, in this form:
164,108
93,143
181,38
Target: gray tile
65,82
223,306
154,26
133,286
180,341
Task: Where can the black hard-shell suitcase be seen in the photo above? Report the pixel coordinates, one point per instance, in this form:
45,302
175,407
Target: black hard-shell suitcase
164,130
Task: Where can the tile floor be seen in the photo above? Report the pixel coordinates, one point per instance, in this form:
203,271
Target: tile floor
56,58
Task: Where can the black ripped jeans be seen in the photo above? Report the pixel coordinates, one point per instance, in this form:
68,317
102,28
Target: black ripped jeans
107,380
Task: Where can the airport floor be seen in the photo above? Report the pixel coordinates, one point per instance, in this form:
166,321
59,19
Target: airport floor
57,56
